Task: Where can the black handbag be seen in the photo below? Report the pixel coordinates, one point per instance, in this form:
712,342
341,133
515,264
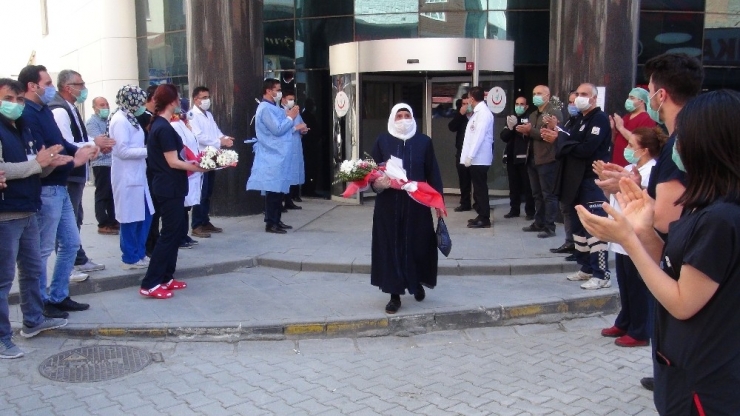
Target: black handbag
444,242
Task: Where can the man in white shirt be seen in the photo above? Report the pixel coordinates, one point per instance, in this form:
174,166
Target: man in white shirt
477,155
208,134
72,91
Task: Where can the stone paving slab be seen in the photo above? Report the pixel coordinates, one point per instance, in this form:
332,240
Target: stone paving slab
327,237
262,303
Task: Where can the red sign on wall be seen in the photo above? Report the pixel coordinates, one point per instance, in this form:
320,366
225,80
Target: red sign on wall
470,66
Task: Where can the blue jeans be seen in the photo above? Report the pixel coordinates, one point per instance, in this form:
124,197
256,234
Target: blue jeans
20,244
133,238
58,225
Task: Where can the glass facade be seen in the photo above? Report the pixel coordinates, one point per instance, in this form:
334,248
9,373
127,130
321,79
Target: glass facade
162,43
298,33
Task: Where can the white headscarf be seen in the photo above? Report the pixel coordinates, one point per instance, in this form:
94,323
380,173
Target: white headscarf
393,130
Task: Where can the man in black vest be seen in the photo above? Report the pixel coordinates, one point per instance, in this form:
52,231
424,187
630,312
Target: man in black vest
72,91
23,160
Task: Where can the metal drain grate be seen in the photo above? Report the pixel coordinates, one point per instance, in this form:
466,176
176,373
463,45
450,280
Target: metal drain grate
95,363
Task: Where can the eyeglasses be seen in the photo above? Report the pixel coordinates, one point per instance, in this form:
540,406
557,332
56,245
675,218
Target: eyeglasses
79,84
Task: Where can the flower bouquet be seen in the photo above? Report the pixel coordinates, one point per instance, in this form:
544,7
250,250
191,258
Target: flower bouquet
212,158
420,192
359,173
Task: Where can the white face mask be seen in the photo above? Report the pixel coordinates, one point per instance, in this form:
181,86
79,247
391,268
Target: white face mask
205,104
278,97
582,103
289,104
404,126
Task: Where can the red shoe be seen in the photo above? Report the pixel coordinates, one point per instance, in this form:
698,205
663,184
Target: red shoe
613,332
174,285
156,292
628,341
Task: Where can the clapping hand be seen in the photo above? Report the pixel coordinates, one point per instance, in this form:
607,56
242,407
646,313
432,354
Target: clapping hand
551,122
636,217
548,135
293,112
105,143
524,128
511,122
3,185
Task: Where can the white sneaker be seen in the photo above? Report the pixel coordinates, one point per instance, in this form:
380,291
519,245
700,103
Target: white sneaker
131,266
146,260
596,283
77,277
90,266
579,275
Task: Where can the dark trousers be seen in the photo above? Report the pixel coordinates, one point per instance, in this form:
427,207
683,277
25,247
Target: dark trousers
479,178
184,237
463,175
591,253
105,211
163,262
75,190
273,207
151,239
567,211
518,185
200,212
542,181
633,295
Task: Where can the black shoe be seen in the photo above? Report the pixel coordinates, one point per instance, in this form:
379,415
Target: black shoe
565,248
480,224
533,228
297,199
420,293
393,306
462,209
274,229
511,215
292,206
572,257
529,217
284,226
472,220
69,305
51,311
648,383
546,233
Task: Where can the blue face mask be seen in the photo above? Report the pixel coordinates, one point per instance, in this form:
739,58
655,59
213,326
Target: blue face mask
572,110
49,93
519,109
629,156
654,114
677,158
139,111
469,109
538,100
629,105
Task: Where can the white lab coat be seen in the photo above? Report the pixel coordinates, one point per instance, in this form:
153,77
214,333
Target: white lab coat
128,170
195,180
478,142
205,129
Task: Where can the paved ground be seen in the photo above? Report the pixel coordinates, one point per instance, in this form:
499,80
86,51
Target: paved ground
555,369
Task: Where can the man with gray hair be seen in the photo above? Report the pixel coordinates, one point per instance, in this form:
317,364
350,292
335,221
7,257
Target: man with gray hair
105,213
71,91
588,140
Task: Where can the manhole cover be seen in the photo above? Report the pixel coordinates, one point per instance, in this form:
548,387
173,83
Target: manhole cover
95,363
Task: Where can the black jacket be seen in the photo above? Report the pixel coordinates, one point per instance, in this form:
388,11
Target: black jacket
587,141
458,124
517,144
24,194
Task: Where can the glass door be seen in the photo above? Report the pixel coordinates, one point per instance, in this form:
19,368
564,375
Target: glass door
445,94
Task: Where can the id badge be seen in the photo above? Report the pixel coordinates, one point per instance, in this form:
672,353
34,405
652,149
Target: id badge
525,120
31,157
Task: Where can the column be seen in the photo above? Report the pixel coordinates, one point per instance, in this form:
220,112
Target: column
225,54
594,41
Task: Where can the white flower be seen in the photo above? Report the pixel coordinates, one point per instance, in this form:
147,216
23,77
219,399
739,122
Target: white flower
207,163
227,158
209,152
347,167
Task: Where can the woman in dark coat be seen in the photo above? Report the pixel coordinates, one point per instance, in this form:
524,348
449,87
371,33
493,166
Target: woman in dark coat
404,244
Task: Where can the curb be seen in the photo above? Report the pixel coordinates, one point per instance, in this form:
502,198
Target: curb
400,325
510,267
132,279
